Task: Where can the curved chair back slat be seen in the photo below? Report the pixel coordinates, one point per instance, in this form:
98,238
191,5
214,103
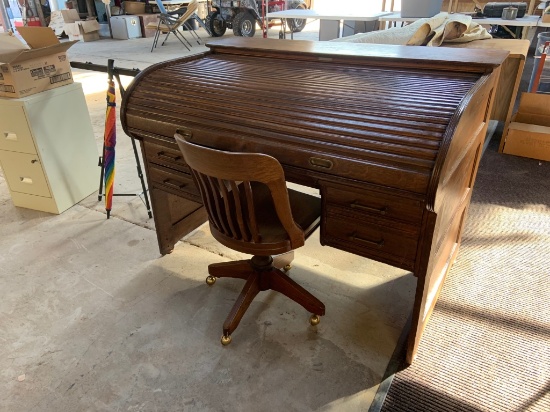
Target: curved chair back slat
228,183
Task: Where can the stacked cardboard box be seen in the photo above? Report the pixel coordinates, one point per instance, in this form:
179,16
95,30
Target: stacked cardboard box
40,65
529,133
68,21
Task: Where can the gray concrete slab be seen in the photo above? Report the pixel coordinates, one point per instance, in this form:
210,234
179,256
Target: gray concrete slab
93,318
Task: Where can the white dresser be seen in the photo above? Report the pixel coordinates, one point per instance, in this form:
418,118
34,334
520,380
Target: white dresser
47,149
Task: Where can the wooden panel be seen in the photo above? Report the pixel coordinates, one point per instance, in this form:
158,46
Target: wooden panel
380,125
404,56
181,183
165,155
175,217
511,72
373,203
383,243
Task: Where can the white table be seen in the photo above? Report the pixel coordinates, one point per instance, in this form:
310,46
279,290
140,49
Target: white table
525,21
330,27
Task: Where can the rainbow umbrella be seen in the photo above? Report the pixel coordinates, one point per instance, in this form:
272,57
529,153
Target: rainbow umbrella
109,143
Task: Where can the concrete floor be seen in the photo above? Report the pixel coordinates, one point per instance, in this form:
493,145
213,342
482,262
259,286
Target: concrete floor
92,318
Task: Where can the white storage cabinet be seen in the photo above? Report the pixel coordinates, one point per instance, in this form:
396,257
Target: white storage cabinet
125,27
47,149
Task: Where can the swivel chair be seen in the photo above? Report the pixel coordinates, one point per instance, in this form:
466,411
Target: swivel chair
250,210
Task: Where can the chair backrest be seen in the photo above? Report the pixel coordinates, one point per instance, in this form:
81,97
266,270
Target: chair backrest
226,181
191,9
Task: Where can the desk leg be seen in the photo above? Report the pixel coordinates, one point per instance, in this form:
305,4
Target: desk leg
174,218
430,282
174,215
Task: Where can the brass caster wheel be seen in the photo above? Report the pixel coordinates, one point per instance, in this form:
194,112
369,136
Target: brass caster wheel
314,320
210,280
287,267
226,340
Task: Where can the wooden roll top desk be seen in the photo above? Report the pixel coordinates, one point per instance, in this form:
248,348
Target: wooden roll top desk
391,135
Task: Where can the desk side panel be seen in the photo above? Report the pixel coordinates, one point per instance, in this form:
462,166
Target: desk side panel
446,213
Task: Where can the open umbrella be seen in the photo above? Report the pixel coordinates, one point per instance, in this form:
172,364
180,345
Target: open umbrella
109,143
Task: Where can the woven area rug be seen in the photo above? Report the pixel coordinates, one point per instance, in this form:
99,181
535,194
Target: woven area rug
487,345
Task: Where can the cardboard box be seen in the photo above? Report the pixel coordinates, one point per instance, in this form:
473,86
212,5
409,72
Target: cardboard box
83,30
68,21
529,132
59,18
42,65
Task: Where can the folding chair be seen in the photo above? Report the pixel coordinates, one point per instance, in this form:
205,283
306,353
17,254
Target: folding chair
168,23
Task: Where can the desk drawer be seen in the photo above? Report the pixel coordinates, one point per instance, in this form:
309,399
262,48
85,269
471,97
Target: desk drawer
24,173
372,203
179,183
15,134
383,243
164,155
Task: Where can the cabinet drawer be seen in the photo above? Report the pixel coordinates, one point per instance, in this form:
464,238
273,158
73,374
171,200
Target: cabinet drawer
373,203
382,243
24,173
15,134
163,155
178,182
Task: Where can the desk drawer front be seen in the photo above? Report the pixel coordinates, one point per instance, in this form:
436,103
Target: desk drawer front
164,155
382,243
371,203
180,183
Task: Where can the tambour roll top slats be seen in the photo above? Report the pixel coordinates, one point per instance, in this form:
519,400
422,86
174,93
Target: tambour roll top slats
387,118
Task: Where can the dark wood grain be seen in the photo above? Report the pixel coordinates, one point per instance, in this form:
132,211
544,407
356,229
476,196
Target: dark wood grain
391,135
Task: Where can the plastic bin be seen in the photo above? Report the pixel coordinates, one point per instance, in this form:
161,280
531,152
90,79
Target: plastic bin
420,8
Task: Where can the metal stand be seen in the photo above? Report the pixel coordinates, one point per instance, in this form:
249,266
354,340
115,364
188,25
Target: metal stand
116,72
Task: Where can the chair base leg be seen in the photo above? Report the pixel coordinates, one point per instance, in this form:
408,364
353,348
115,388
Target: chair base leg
260,278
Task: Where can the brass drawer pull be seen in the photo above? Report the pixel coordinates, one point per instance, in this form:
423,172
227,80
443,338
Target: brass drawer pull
324,163
173,158
170,182
356,205
379,243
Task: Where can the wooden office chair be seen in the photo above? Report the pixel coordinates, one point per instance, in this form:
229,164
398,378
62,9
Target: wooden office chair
251,210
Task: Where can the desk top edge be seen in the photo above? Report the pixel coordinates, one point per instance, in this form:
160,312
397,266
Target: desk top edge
413,54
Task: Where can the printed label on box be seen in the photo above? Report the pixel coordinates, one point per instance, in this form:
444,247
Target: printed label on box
60,78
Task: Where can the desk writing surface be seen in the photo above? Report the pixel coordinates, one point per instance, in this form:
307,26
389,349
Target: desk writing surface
374,52
392,138
510,76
